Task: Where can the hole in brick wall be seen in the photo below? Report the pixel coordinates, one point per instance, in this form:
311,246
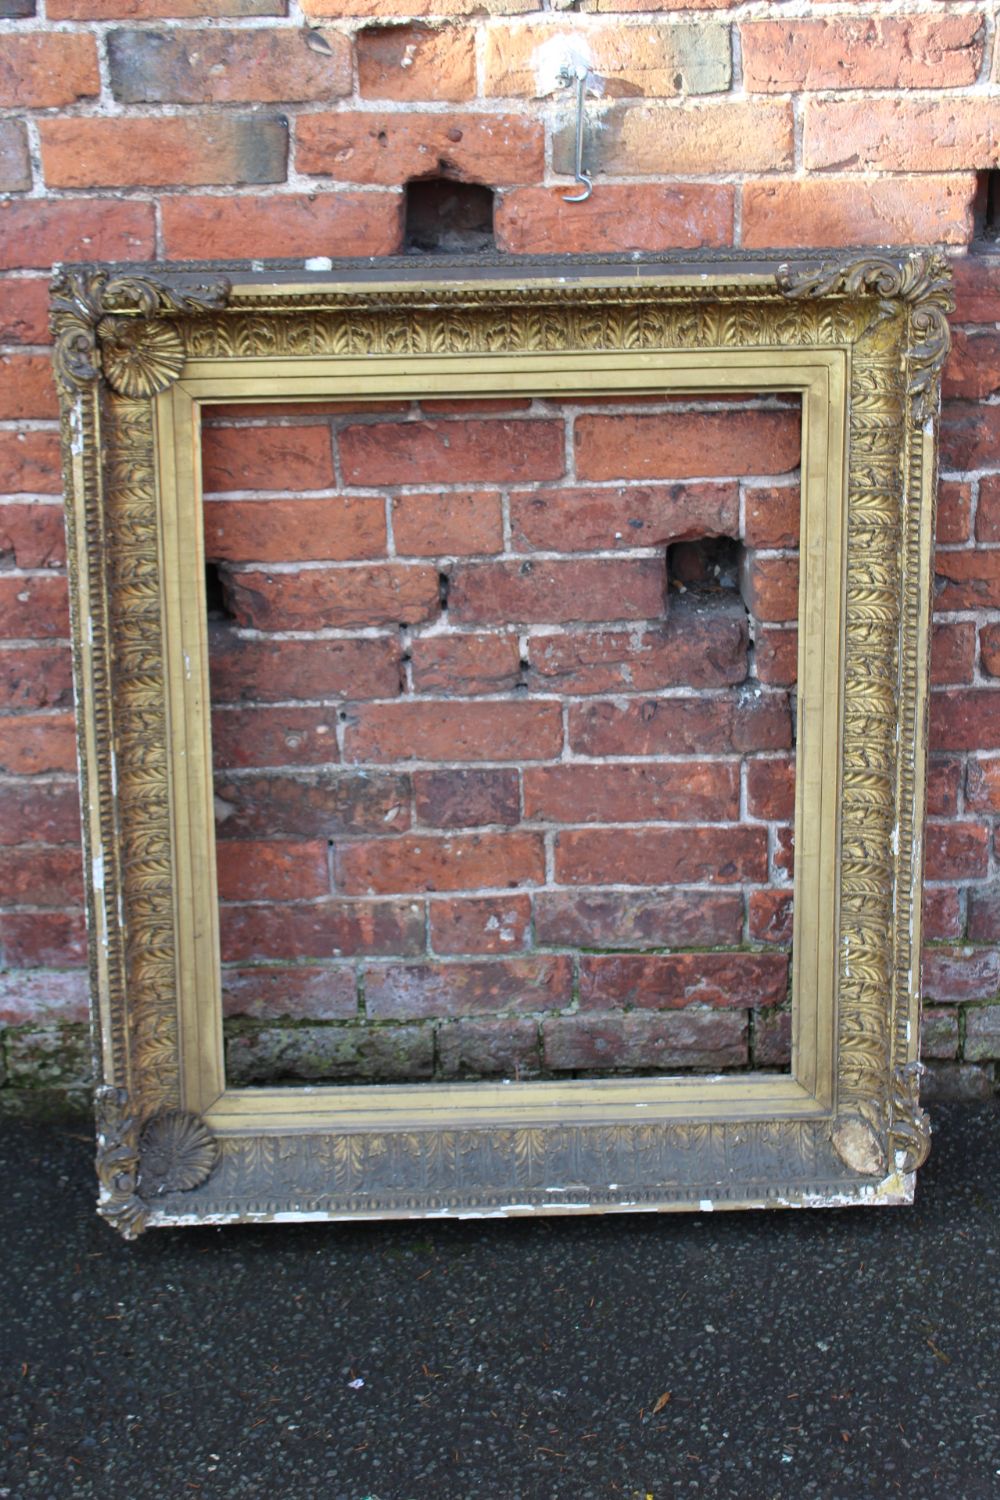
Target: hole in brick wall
987,208
706,568
445,217
215,594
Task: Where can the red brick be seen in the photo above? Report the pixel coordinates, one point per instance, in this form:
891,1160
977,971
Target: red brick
26,387
36,677
348,597
977,288
984,913
39,71
24,311
41,997
30,876
447,525
416,64
982,786
402,991
32,744
480,1048
655,61
973,367
313,804
771,587
961,973
953,652
466,799
30,463
942,914
673,791
32,606
966,580
465,663
483,924
770,916
989,643
586,520
335,529
317,992
776,655
681,726
691,648
988,510
43,939
266,458
423,862
679,445
954,512
808,212
771,789
956,851
455,452
391,148
273,737
696,138
271,870
771,516
314,223
944,783
323,929
273,671
476,731
464,405
155,10
226,66
965,719
15,157
970,435
633,919
681,1039
35,233
784,853
673,981
886,52
772,1039
33,536
546,591
931,134
683,216
175,151
661,856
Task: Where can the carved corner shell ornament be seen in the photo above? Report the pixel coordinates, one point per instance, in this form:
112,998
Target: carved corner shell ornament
117,326
173,1152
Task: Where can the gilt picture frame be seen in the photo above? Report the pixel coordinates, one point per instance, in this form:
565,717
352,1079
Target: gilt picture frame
140,351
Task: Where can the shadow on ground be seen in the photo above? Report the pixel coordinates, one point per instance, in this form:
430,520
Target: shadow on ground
834,1354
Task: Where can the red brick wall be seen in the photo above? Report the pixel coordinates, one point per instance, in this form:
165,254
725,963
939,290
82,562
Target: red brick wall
210,127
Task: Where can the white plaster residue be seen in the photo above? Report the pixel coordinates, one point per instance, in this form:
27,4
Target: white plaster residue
98,868
707,1206
319,263
187,666
76,432
555,62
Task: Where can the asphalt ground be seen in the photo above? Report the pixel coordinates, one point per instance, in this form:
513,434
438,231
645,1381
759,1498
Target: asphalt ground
840,1354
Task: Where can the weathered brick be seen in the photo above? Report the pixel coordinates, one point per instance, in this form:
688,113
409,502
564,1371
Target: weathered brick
938,133
391,148
965,719
701,136
661,856
266,458
337,528
36,677
982,786
684,445
43,939
156,10
770,916
942,915
321,929
36,233
984,913
977,288
456,452
465,663
681,726
771,789
954,512
226,66
177,151
982,1033
957,1083
672,791
333,1053
599,520
27,389
40,812
691,648
807,212
772,1039
416,64
412,991
481,924
32,607
390,8
24,311
466,799
349,597
989,643
423,862
967,580
953,651
688,1039
632,919
771,587
938,1033
961,973
776,653
944,783
523,58
543,591
15,158
448,524
771,516
673,981
34,876
271,870
302,992
480,731
314,223
39,71
263,736
56,1058
784,853
956,851
270,671
312,804
878,52
972,370
988,510
29,463
33,997
32,744
473,1048
682,216
970,435
32,536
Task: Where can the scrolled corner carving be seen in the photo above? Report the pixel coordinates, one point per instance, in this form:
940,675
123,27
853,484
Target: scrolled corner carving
118,327
118,1163
177,1152
173,1152
910,1130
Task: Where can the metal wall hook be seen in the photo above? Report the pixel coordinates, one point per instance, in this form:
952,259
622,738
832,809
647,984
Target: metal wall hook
582,177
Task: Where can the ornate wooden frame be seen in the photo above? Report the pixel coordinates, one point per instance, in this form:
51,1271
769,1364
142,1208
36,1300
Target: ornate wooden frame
138,350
